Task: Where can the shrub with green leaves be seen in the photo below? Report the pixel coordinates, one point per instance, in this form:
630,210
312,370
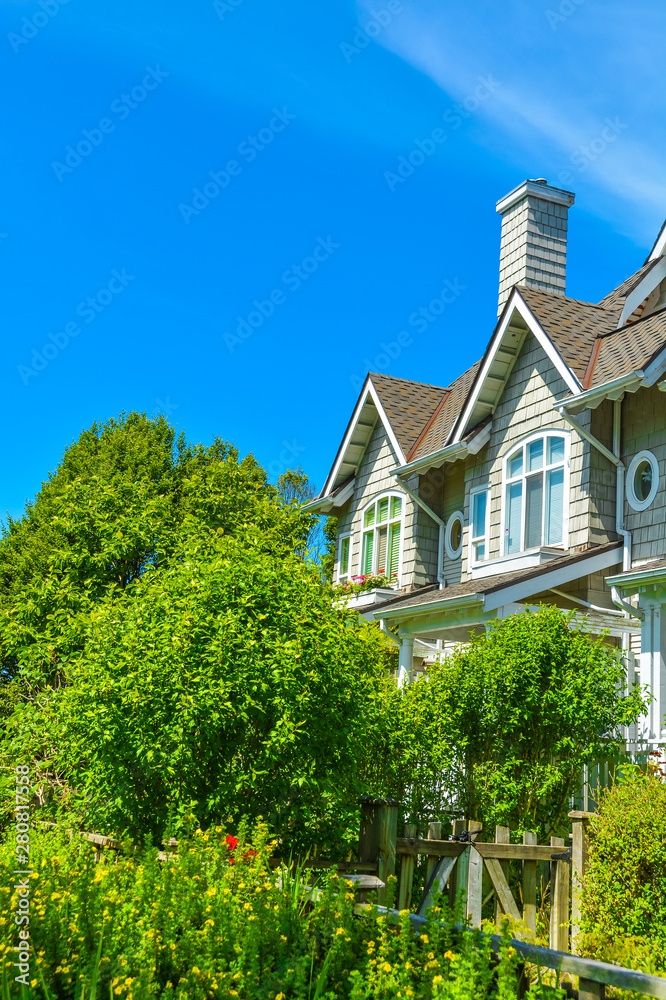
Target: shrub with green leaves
210,923
624,897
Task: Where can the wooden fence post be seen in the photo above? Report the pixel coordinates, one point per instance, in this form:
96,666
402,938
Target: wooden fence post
377,837
456,879
474,879
579,823
434,833
406,871
559,900
529,886
502,836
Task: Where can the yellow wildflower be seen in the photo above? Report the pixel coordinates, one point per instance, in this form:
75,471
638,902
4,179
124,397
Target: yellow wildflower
437,979
339,931
451,957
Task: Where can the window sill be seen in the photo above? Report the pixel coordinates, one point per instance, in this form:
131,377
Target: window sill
519,560
368,597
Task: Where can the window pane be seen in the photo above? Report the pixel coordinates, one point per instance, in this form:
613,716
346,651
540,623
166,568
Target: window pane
393,567
344,557
382,510
396,507
479,514
479,551
535,455
514,495
369,518
516,464
368,548
381,550
456,534
533,511
555,450
555,507
643,481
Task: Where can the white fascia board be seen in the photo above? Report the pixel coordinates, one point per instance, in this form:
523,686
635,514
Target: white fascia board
399,454
517,592
593,397
655,369
659,247
347,438
516,304
631,581
646,285
344,495
453,604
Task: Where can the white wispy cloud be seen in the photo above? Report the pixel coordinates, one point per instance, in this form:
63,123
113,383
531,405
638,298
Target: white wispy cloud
561,82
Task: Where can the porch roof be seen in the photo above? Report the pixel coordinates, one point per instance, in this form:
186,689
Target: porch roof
486,595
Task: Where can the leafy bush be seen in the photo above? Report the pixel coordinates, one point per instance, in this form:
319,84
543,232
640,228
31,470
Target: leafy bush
505,724
210,924
624,896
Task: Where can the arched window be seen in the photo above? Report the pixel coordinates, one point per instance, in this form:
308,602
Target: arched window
535,493
381,547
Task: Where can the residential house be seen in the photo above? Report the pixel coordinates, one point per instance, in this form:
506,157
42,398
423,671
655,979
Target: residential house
538,475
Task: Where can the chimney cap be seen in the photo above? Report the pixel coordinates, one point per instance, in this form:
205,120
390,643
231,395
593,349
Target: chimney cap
540,189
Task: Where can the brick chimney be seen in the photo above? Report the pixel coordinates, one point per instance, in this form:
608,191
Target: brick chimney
533,248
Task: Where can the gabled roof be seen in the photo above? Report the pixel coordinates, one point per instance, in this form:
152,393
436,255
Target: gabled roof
436,432
408,405
614,301
629,349
572,325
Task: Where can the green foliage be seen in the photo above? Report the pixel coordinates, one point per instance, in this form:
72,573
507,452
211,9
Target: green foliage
507,722
214,924
327,560
624,897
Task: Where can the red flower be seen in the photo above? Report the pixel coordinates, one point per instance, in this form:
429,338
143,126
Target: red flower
232,842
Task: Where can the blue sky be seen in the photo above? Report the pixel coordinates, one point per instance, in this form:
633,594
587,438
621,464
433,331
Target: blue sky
253,308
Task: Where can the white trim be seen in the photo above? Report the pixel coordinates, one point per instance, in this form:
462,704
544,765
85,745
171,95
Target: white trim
554,432
515,304
364,531
371,392
341,538
450,551
399,453
472,563
557,196
518,560
555,578
632,499
645,286
659,247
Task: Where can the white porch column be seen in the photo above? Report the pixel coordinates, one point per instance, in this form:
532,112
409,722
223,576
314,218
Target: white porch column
651,726
405,671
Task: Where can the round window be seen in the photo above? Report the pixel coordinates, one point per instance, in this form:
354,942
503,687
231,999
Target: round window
642,480
454,535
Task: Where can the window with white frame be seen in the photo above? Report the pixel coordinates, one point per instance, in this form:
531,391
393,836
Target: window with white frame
536,486
382,537
479,521
344,557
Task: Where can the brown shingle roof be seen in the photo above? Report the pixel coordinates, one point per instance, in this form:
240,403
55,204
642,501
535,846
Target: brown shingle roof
614,301
408,405
572,325
630,348
435,436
